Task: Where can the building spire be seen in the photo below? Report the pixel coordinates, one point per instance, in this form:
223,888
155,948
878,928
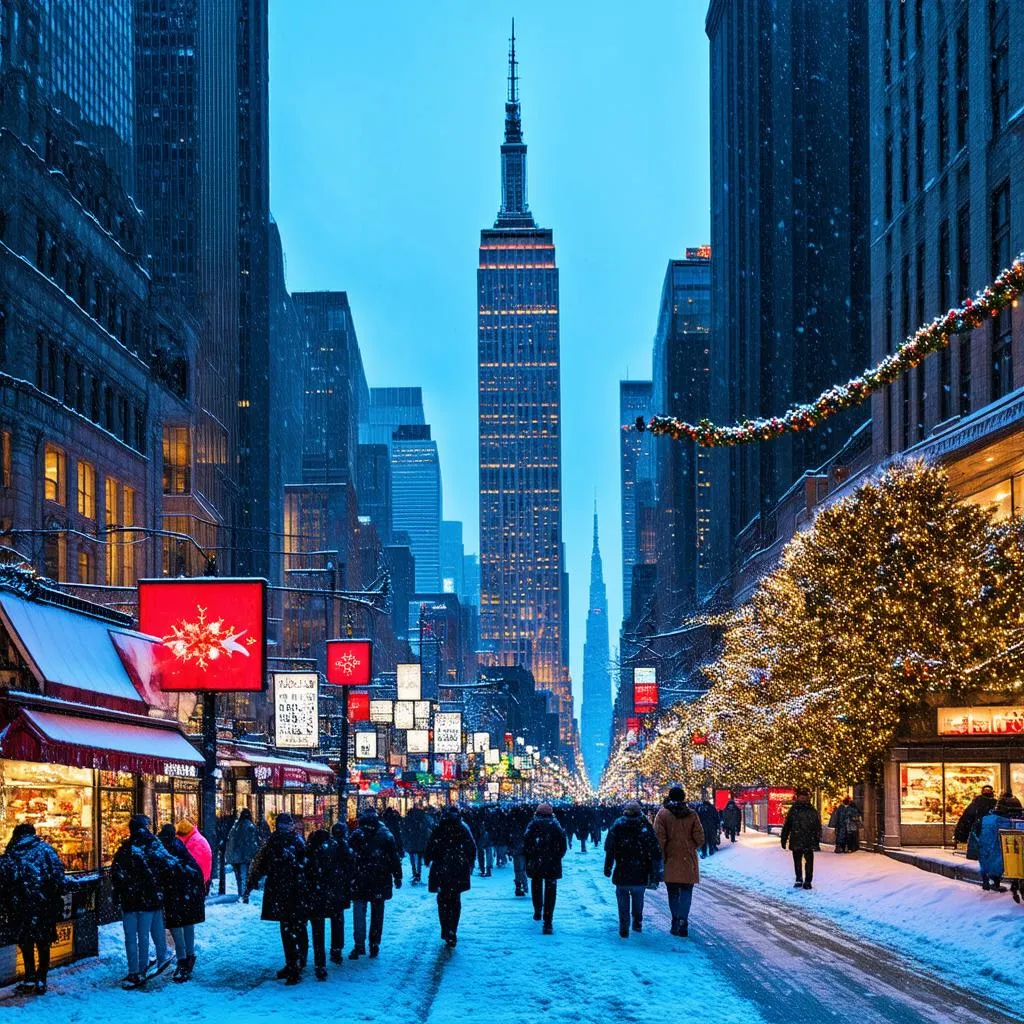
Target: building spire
513,68
515,211
595,522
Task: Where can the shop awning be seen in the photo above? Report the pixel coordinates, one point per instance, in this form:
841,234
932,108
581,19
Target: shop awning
285,772
95,743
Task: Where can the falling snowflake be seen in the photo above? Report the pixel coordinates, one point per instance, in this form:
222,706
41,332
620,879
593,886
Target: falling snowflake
347,663
203,642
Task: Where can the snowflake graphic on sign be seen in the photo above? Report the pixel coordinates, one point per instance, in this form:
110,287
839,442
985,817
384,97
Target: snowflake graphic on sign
203,642
347,663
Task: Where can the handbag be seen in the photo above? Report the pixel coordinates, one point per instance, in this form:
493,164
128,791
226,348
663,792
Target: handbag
972,846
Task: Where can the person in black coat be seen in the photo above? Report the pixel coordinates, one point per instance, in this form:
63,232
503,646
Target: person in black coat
140,874
802,830
328,865
450,853
711,822
39,904
282,860
339,833
544,846
416,830
376,865
581,825
184,902
392,821
732,816
984,802
518,818
632,858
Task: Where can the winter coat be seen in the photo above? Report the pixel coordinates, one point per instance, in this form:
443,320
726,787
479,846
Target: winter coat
282,860
973,813
141,872
990,847
328,874
802,828
544,846
732,816
40,881
392,821
496,826
10,895
242,843
416,830
847,823
518,819
710,821
581,822
680,835
376,861
632,848
185,895
196,844
450,853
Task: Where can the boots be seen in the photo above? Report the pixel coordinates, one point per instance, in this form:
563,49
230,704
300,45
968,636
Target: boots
357,952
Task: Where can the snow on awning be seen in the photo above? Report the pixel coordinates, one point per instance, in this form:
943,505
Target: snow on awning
96,743
285,772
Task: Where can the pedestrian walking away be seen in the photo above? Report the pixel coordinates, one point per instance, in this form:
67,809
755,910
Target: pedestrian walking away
544,847
239,849
184,902
197,845
847,822
519,818
282,861
711,823
415,833
973,813
802,830
339,833
376,869
327,884
450,853
632,860
680,835
990,846
732,818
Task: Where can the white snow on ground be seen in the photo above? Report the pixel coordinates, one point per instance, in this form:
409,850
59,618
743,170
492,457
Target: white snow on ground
968,936
502,970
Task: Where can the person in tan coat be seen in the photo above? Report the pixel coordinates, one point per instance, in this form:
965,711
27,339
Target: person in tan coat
680,836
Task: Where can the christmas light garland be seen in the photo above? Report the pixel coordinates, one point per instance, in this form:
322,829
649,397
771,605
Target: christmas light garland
933,337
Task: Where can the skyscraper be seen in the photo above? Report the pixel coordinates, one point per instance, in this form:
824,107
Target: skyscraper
416,500
596,714
636,470
522,584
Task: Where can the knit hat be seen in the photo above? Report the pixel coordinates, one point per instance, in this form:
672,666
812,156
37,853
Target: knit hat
677,794
632,809
545,810
138,823
284,823
185,827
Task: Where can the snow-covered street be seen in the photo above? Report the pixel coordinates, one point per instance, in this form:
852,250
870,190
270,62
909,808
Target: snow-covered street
875,941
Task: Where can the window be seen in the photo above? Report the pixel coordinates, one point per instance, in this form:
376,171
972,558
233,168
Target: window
919,135
6,469
177,460
943,97
86,490
962,109
110,517
999,61
54,476
888,178
887,52
129,538
1002,325
55,551
85,569
945,293
904,145
919,319
938,793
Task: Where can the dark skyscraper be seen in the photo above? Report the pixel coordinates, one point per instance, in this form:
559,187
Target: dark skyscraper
636,469
596,714
522,586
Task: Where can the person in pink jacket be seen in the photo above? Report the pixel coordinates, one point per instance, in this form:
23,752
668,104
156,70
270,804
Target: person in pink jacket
196,844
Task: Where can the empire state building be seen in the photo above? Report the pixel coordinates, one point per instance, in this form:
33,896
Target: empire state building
523,586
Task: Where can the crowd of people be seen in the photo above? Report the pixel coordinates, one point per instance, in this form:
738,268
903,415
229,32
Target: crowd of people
979,827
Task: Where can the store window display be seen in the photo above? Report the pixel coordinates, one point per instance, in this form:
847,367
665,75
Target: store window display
936,793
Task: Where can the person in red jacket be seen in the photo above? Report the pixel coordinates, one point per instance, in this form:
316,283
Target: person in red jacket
196,844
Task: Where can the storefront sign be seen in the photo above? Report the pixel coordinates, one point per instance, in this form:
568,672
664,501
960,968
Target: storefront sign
448,732
481,742
358,706
211,632
381,712
645,690
421,714
404,714
349,662
779,801
408,677
366,745
492,756
417,741
179,770
981,721
296,710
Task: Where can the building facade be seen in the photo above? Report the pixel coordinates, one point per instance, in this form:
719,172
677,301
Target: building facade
416,501
522,581
596,713
636,477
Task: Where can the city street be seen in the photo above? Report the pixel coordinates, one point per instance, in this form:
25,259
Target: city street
756,952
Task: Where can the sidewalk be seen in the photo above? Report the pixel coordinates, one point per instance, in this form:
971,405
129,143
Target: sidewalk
939,861
958,930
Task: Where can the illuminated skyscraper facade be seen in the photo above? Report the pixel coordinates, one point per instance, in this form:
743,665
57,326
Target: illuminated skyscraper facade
522,586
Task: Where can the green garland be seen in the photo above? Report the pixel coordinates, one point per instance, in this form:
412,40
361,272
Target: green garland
927,339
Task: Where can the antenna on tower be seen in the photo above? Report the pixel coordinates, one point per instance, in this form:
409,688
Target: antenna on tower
513,68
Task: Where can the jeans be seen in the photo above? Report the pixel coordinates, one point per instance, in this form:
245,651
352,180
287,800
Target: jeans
338,933
519,866
184,941
359,922
416,864
485,858
317,925
138,926
680,896
36,955
501,853
295,942
241,876
544,891
583,844
800,858
449,910
625,895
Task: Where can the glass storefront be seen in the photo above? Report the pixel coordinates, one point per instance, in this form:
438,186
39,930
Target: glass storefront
117,804
176,799
937,793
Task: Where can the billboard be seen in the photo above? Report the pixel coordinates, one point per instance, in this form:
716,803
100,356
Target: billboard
645,691
349,662
408,682
366,745
448,732
417,741
381,712
421,713
359,707
481,742
492,756
296,710
211,632
404,714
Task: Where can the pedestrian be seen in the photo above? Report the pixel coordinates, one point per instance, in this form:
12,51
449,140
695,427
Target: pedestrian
339,833
37,871
802,830
196,844
680,835
376,866
484,843
990,846
711,823
239,849
415,833
848,824
450,853
184,902
140,874
595,825
732,817
581,826
282,861
973,813
544,846
392,821
632,859
327,893
519,818
497,829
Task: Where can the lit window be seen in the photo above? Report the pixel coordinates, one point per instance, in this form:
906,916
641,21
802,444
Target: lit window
86,490
54,482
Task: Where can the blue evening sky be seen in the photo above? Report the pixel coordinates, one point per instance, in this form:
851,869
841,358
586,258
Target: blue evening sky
385,125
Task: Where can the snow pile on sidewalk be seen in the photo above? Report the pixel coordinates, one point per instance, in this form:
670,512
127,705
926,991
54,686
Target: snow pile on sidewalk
967,935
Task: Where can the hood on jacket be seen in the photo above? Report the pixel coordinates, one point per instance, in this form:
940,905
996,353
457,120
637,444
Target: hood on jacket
678,808
321,837
339,830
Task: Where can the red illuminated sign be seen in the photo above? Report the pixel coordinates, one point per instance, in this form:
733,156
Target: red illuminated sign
779,801
349,662
359,707
645,690
699,739
211,632
633,724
